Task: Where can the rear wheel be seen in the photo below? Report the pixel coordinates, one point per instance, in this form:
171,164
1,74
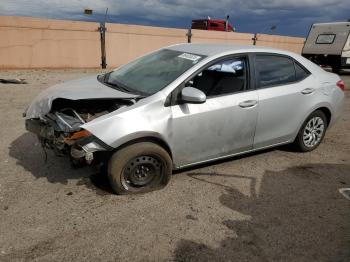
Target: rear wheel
312,132
139,168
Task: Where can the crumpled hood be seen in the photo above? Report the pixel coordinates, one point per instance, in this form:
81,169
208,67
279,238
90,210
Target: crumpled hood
85,88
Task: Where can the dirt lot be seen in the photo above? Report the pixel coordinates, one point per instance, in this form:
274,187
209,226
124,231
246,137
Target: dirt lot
275,205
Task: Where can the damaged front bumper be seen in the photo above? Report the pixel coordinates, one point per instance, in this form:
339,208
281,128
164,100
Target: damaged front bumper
80,145
58,114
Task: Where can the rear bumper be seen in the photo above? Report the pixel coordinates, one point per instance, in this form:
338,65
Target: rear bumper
338,110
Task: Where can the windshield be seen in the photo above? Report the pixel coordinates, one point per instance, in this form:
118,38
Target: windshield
151,73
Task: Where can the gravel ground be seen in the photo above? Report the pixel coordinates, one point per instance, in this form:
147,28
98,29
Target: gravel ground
275,205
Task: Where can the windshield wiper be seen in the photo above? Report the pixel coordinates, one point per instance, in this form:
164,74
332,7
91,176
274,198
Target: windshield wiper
119,87
113,84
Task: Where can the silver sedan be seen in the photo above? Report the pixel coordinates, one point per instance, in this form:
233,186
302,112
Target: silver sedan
184,105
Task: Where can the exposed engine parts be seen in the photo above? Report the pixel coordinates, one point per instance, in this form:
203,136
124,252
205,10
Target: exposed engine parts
60,129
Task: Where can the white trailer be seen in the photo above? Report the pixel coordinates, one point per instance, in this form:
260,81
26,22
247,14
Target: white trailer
328,44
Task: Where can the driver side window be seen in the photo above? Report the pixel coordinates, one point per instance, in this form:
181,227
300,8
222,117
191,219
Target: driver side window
224,77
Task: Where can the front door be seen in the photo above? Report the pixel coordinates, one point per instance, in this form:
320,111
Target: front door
225,123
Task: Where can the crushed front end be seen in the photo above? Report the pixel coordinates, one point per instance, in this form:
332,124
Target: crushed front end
60,129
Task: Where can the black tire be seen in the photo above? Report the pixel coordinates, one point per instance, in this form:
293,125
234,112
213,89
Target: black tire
299,143
139,168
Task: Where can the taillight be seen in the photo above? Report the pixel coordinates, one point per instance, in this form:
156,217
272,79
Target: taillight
341,85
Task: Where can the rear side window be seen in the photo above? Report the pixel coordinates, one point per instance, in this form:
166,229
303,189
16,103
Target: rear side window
274,70
300,72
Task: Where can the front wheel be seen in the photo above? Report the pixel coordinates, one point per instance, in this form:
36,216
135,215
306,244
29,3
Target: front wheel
139,168
312,132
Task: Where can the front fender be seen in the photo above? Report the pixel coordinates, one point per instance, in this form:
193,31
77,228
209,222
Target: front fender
145,121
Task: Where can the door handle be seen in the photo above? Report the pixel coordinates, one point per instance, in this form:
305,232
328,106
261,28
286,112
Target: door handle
248,103
308,91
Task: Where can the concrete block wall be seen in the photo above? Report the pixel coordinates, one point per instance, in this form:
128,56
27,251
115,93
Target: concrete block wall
126,42
293,44
202,36
27,42
43,43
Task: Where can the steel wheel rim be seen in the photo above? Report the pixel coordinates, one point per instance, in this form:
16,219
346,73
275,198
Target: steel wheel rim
313,132
141,172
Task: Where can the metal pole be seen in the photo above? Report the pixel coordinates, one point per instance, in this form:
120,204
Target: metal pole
226,23
189,35
102,30
255,38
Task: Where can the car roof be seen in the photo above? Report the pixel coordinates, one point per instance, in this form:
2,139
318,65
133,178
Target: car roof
216,49
210,50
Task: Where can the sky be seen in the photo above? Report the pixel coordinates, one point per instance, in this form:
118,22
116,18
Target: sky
291,17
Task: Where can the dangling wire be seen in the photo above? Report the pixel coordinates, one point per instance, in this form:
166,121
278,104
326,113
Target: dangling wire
44,150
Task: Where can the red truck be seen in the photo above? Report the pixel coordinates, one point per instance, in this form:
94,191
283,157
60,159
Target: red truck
212,24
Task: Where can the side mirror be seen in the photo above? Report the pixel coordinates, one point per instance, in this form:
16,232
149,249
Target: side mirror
192,95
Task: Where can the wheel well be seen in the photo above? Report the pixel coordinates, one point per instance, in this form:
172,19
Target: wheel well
155,140
327,113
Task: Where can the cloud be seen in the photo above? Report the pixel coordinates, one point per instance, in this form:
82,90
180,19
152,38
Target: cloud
247,15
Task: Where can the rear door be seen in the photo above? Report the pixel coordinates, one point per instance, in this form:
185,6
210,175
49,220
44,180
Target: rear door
286,91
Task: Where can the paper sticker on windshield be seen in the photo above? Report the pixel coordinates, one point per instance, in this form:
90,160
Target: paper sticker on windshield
191,57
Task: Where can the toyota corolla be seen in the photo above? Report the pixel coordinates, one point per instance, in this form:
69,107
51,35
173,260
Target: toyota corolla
183,105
